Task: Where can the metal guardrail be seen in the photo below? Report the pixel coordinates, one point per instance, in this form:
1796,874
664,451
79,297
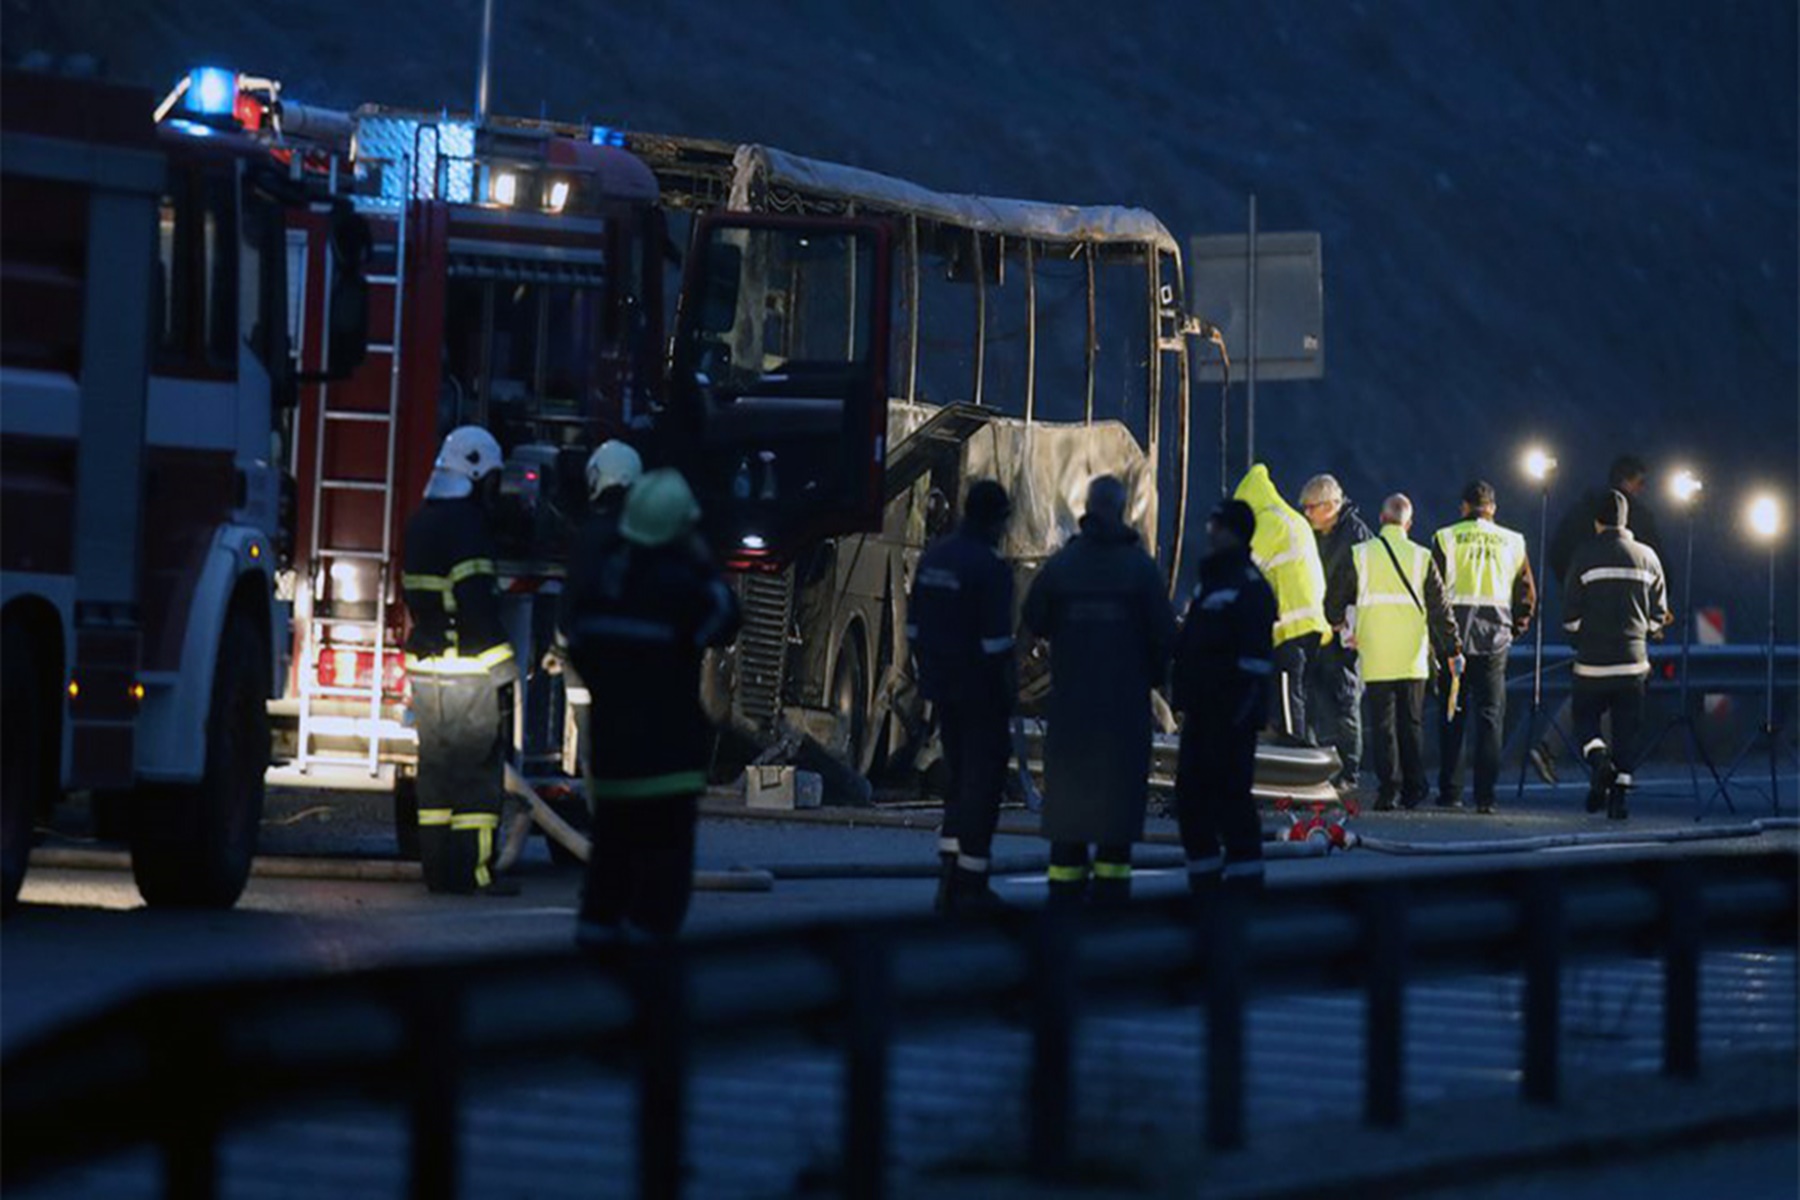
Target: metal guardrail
178,1068
1738,667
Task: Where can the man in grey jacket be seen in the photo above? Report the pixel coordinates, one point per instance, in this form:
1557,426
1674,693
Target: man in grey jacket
1614,599
1100,604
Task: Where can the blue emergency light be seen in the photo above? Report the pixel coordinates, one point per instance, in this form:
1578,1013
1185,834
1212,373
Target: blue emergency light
212,91
604,135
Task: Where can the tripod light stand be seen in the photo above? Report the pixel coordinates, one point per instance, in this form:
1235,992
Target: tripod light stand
1684,490
1762,517
1538,467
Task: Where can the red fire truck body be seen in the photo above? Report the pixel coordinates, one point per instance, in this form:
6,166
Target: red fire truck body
145,367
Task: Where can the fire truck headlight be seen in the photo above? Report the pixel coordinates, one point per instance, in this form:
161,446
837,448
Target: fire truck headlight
559,196
212,91
505,190
754,541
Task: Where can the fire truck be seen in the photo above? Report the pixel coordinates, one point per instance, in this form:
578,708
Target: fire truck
144,360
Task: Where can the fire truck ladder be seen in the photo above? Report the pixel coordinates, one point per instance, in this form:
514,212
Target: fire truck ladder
324,556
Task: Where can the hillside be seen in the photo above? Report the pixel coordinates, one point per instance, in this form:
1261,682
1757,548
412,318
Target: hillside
1572,222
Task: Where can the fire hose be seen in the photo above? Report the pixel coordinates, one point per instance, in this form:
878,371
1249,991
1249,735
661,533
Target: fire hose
1560,841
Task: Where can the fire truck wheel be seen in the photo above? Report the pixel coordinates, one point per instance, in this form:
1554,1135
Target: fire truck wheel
406,816
191,844
22,758
850,698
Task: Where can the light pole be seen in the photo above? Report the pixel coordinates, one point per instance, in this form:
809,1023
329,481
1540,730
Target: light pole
1539,467
1763,521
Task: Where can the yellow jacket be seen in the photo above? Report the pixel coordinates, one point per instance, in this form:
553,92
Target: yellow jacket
1287,553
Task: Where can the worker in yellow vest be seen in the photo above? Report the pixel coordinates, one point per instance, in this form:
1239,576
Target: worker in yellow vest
1286,552
1390,604
1493,598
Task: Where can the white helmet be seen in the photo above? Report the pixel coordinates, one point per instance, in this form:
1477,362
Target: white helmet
469,455
612,464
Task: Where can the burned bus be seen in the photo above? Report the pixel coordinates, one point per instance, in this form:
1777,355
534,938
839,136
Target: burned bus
1036,344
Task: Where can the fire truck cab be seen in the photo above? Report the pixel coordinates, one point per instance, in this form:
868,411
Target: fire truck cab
144,358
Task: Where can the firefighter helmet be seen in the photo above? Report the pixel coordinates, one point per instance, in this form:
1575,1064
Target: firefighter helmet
612,464
660,508
469,455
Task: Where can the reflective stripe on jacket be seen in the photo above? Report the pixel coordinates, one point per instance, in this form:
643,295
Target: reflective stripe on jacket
1286,552
449,586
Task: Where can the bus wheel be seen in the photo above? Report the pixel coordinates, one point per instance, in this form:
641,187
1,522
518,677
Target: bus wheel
850,699
191,844
22,760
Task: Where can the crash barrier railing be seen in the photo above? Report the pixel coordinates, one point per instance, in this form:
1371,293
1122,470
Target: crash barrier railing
1738,668
179,1068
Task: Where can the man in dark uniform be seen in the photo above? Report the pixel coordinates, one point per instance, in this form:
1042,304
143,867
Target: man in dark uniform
460,667
1614,599
960,624
641,622
1101,605
1223,662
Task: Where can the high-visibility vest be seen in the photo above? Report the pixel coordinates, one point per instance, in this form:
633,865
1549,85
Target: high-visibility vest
1482,561
1392,640
1287,553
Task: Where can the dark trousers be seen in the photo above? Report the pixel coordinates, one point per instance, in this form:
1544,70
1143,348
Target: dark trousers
977,746
640,871
1483,705
1334,704
1397,739
1213,803
463,724
1070,873
1621,696
1287,709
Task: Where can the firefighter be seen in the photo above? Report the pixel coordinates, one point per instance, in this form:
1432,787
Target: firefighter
460,666
1287,555
1334,686
1613,600
640,628
611,470
1100,603
1390,600
960,624
1493,598
1223,665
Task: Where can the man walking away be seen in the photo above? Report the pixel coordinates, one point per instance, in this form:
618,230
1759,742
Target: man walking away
1614,599
1223,664
1100,604
1287,555
460,667
1493,597
1630,475
642,621
1333,686
1392,603
960,624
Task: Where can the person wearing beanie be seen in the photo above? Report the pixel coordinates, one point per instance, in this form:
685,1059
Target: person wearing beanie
959,623
1614,600
1100,603
1224,662
1493,597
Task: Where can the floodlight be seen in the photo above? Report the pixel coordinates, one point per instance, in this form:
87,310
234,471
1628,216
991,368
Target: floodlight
506,189
1684,485
559,195
1763,516
1537,463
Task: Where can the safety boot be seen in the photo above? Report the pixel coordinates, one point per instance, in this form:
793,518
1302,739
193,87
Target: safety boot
971,895
1602,776
1615,796
946,882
